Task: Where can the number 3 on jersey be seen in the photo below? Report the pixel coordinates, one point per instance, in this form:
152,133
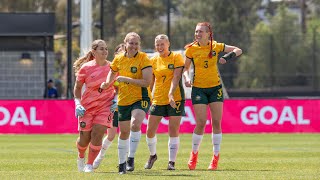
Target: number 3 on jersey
206,64
219,93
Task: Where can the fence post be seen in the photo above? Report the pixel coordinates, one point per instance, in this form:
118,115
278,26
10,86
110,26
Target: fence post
271,62
314,60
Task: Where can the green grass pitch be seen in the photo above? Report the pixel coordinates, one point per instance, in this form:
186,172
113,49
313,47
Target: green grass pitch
243,156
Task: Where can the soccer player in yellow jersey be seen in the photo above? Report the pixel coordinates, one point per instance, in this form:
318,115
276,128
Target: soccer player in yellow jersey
135,74
206,87
168,99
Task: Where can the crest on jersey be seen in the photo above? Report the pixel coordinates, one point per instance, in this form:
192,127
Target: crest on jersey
214,53
110,118
198,98
170,66
134,69
152,108
83,124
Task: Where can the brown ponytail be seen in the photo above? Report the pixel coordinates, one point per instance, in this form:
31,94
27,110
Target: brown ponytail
81,60
88,57
211,39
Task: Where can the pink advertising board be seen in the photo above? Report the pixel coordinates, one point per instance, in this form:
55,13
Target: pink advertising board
240,116
37,116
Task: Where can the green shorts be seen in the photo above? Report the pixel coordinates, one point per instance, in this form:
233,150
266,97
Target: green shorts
115,119
206,95
125,111
167,110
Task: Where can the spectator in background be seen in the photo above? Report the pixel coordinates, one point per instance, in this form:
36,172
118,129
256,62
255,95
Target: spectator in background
168,99
135,74
50,91
206,87
93,108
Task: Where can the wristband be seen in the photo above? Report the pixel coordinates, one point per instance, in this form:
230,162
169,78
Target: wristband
229,56
77,101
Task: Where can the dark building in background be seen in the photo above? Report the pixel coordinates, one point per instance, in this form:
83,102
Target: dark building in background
26,54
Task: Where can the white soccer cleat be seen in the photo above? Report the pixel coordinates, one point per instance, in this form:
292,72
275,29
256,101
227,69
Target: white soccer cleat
81,164
99,158
97,162
88,168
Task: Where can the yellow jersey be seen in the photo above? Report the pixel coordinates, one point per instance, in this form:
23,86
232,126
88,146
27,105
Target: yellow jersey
131,67
206,73
163,70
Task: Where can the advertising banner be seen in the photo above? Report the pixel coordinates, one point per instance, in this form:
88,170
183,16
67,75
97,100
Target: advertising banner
239,116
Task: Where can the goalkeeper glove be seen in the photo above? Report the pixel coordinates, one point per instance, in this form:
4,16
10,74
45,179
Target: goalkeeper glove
114,105
79,112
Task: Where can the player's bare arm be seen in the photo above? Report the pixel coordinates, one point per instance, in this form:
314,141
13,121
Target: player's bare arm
144,82
77,89
152,82
110,78
187,79
174,83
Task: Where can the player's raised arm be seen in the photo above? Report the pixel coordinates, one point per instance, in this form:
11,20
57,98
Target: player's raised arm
144,82
110,78
232,51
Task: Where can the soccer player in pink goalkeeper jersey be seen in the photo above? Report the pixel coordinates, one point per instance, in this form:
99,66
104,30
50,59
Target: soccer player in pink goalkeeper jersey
92,107
111,132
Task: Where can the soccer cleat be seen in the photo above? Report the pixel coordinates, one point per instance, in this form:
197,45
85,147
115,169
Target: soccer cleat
193,161
171,166
214,163
151,161
98,160
81,164
130,164
122,168
88,168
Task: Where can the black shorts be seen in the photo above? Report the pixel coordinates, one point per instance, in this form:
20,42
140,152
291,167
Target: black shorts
115,119
206,95
125,111
167,110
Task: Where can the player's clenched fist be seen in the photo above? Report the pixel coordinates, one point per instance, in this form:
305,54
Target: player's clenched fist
103,85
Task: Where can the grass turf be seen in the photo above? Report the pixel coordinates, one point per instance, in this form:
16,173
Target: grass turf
243,156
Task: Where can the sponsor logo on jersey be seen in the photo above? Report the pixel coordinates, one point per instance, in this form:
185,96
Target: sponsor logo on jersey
170,66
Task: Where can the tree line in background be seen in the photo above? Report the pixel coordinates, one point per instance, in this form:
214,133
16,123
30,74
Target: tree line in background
277,51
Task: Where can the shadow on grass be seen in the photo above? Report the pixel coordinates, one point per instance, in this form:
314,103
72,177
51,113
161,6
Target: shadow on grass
154,173
206,170
177,173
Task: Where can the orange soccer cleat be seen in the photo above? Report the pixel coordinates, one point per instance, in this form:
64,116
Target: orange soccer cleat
214,163
193,160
